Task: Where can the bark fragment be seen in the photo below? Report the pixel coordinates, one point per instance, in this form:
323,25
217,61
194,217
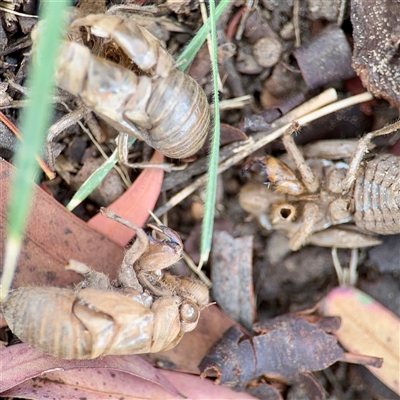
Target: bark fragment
376,33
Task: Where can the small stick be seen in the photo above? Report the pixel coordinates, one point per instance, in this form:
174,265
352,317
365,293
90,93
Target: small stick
337,265
362,360
45,168
7,10
111,215
63,123
235,103
248,8
296,22
346,276
342,10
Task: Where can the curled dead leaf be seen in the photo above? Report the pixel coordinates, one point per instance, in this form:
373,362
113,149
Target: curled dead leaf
287,349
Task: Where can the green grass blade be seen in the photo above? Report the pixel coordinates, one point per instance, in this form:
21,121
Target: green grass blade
35,121
195,44
211,188
95,179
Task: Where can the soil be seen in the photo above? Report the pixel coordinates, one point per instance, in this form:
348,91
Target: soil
310,48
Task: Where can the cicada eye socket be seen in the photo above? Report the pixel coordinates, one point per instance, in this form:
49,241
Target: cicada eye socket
284,212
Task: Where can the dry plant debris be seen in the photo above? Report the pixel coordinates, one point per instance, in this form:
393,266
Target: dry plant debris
31,374
376,47
320,65
286,347
54,236
309,46
232,276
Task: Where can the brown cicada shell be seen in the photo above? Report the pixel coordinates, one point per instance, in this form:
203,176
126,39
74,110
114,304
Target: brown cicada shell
145,310
327,184
160,105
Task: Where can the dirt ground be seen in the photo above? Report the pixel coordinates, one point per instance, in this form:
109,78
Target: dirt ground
273,56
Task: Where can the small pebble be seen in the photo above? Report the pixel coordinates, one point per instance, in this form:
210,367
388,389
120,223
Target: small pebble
267,52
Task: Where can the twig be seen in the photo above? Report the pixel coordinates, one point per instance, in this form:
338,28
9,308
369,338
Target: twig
23,43
342,10
235,103
67,120
196,269
200,166
43,165
248,8
7,10
133,8
296,22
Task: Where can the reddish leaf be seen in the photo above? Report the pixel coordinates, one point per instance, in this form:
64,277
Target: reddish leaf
194,387
367,328
89,384
133,205
23,363
53,237
30,374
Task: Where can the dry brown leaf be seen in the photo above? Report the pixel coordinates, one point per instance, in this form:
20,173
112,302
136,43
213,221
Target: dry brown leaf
286,347
286,350
53,237
229,134
325,58
232,276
